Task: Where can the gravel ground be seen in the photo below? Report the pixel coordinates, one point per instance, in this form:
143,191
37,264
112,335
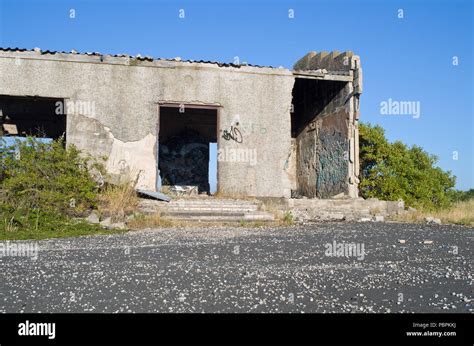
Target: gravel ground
402,268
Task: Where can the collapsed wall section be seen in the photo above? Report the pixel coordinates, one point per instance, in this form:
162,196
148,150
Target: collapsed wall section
320,128
325,124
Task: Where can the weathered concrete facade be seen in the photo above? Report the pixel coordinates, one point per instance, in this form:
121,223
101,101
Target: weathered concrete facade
301,125
328,144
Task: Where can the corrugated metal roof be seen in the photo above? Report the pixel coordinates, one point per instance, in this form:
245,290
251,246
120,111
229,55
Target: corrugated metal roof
138,57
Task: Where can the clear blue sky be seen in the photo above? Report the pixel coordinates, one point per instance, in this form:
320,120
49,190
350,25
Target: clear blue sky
407,59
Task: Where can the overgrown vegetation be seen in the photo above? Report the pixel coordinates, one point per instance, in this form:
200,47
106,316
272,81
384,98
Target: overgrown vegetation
461,196
461,213
118,201
45,188
393,171
36,175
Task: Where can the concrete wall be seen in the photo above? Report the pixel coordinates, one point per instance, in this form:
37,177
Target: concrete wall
341,209
332,151
321,134
331,128
125,93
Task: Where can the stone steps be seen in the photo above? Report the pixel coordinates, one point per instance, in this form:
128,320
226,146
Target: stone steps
211,208
208,210
219,217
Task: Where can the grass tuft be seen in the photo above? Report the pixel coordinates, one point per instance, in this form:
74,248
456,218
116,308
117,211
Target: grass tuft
117,201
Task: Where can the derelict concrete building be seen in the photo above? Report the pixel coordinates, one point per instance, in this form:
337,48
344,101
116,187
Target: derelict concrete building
279,132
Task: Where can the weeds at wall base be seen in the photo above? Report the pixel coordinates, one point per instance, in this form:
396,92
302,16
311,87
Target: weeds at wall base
460,213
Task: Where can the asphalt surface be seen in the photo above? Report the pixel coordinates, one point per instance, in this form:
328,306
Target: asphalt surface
403,268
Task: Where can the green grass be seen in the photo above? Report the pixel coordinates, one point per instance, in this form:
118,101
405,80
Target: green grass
288,218
14,226
460,213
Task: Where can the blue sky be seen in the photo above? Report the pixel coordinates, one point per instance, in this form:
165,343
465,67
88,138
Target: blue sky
405,59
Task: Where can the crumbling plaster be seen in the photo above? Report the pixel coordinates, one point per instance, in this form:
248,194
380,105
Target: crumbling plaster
126,94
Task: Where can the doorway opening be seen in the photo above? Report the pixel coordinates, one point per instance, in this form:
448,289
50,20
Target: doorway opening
319,136
187,142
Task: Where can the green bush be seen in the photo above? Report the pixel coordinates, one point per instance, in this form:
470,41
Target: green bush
43,186
461,196
391,171
47,176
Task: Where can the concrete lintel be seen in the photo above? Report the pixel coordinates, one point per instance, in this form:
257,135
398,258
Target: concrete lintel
323,76
190,104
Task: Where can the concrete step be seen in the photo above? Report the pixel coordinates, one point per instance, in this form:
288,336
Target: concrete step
215,201
211,206
260,216
182,213
221,218
207,205
200,204
208,210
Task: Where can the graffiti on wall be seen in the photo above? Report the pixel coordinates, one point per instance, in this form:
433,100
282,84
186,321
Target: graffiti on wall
250,128
232,134
332,163
184,161
244,128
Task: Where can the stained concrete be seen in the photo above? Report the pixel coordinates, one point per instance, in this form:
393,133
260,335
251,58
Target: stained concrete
325,125
125,92
348,209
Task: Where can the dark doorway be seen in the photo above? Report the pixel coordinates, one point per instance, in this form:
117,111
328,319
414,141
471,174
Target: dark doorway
310,98
185,135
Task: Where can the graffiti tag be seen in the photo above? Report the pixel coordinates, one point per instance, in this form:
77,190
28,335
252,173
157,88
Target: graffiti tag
234,134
